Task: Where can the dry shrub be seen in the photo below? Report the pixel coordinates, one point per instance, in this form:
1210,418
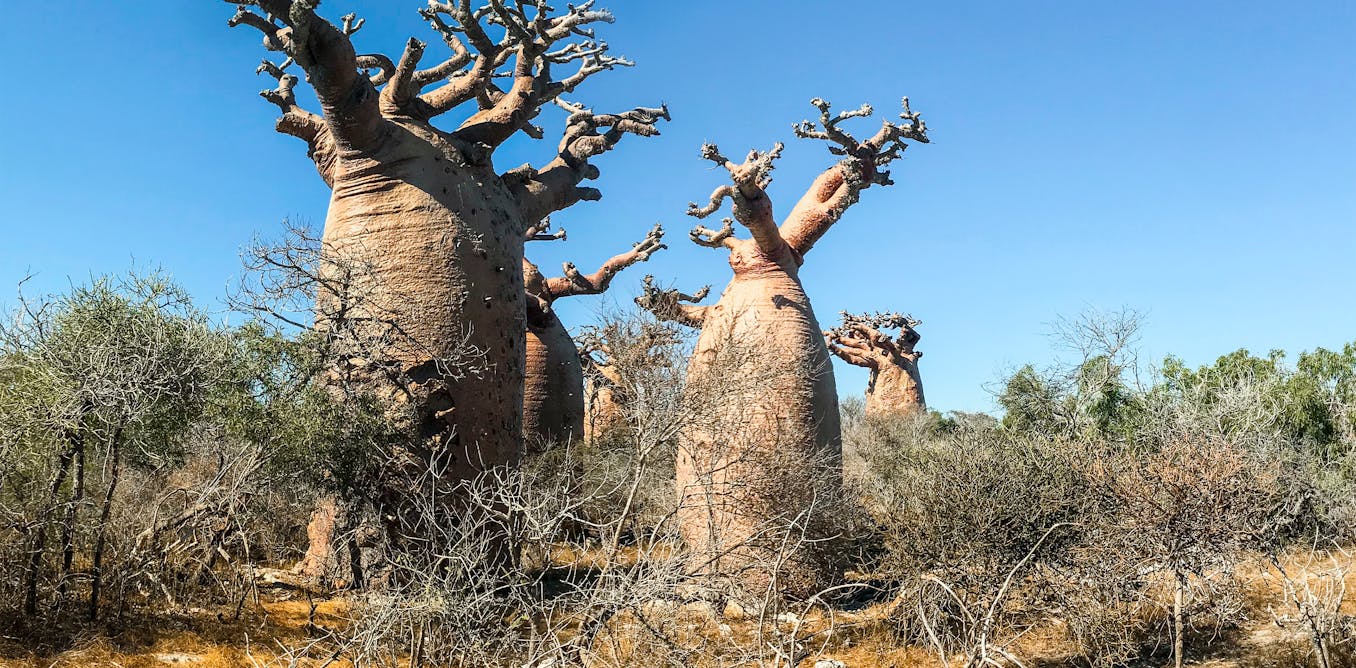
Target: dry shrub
967,514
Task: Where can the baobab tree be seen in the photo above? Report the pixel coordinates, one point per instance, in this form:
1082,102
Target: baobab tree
894,387
553,397
765,313
440,227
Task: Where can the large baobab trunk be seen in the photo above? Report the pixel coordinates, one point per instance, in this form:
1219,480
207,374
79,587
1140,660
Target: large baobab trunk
894,387
757,474
553,396
437,230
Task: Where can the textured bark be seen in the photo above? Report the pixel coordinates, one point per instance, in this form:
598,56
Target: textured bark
754,474
895,387
553,396
439,232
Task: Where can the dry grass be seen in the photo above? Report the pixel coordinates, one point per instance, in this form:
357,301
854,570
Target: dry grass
264,634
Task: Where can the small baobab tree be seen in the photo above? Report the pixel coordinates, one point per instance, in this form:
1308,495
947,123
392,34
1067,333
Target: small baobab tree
894,387
553,397
766,313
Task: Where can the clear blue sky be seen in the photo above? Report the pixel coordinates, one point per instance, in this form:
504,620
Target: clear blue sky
1195,160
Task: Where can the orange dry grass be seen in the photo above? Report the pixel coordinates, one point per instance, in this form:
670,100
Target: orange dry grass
200,639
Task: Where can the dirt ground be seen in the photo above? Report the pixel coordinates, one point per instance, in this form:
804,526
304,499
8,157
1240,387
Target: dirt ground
201,638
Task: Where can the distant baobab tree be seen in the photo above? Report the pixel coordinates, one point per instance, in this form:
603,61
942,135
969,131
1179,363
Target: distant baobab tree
894,388
553,399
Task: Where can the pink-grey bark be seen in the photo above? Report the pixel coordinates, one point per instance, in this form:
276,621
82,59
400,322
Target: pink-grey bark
765,315
894,387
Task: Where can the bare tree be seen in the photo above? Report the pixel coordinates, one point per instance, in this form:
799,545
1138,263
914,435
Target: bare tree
765,306
894,387
620,357
441,228
1185,514
553,400
1313,599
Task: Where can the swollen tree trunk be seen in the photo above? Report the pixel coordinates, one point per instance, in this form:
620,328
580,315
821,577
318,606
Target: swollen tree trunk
757,471
894,387
553,391
424,238
553,395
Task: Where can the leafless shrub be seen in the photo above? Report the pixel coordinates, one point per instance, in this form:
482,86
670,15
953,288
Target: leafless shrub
964,511
1312,603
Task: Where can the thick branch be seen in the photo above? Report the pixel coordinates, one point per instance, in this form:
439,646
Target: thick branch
839,187
348,99
575,283
853,357
748,196
298,122
401,89
668,304
556,186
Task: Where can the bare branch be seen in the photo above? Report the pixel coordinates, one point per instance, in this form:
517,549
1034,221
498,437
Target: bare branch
748,196
838,188
541,232
704,236
299,122
668,304
402,88
556,186
575,283
348,100
350,24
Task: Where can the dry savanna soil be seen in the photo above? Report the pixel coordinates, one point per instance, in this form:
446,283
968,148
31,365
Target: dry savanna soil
272,631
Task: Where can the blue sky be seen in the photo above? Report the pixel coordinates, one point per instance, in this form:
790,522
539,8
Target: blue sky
1196,161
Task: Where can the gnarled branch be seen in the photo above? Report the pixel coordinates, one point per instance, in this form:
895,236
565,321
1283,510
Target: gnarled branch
296,121
556,186
863,336
348,100
705,236
576,283
748,196
838,188
668,304
541,232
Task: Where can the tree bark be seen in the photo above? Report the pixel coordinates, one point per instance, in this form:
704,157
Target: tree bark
734,506
553,396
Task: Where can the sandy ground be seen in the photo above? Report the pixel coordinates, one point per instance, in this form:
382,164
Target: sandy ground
214,639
